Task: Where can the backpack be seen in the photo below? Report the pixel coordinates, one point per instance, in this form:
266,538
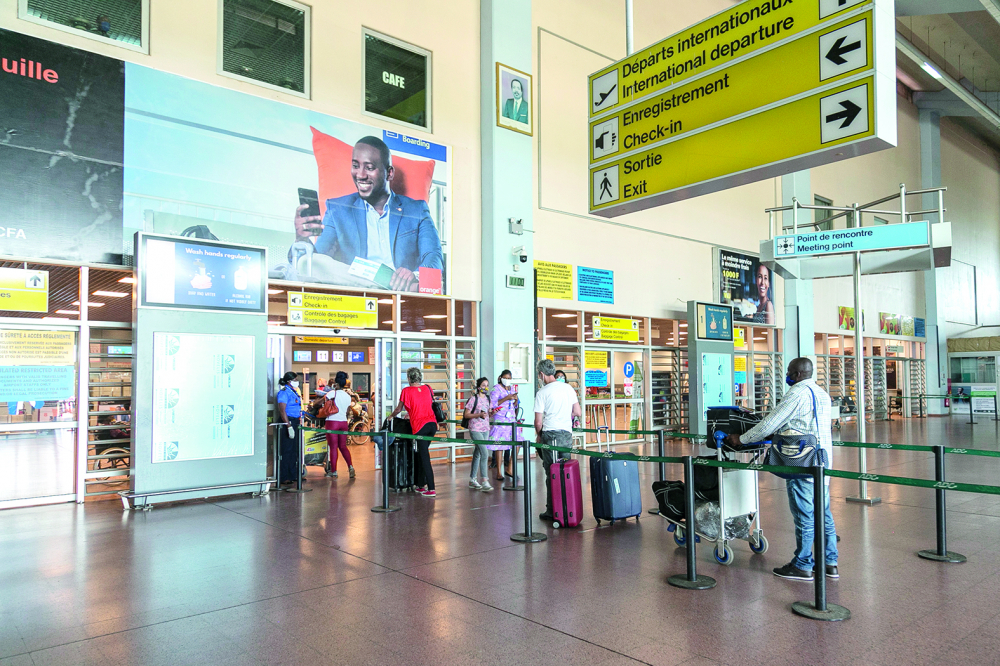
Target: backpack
465,421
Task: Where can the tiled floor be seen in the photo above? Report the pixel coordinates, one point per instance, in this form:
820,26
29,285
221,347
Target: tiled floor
319,578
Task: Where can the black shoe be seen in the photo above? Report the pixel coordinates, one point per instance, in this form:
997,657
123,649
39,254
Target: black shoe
546,517
838,538
831,571
791,573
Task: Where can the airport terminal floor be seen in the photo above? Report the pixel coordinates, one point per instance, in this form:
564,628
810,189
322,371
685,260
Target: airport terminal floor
318,578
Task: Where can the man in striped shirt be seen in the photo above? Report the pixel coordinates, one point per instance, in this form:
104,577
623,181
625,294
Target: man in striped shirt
805,409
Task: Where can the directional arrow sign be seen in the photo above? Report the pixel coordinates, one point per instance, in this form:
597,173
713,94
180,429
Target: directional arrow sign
775,74
310,309
732,33
24,290
692,166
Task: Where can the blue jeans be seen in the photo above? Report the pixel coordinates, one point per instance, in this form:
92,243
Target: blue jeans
800,501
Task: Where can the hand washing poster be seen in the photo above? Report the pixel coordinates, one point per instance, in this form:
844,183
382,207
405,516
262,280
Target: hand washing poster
203,397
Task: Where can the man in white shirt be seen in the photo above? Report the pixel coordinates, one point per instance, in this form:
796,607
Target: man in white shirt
804,409
556,408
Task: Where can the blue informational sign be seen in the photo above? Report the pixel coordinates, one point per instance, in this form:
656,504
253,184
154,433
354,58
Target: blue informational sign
37,383
857,239
715,322
595,378
595,285
629,369
401,143
919,328
355,357
193,274
740,377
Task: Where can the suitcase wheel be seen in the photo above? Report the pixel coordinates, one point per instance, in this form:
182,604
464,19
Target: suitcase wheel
556,525
598,522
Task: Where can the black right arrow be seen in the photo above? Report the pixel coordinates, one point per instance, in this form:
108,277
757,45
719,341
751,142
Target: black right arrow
837,51
850,112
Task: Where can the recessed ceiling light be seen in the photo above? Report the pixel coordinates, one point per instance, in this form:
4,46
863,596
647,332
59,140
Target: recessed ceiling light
927,67
435,316
385,301
461,326
111,294
127,280
431,330
563,316
389,323
683,324
572,326
67,312
275,291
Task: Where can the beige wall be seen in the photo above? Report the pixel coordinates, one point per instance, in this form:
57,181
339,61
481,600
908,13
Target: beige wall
183,40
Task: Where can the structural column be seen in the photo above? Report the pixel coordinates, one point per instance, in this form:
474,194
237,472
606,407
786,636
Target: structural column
507,187
937,336
800,325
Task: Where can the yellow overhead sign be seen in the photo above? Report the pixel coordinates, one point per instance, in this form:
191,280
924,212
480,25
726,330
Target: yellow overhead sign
316,340
819,57
770,138
615,329
23,290
719,39
306,309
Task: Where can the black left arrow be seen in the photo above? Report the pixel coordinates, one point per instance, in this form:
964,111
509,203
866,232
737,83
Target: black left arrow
837,51
850,112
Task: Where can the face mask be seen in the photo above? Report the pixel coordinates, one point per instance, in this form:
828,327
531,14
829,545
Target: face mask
505,382
561,379
294,384
789,381
483,389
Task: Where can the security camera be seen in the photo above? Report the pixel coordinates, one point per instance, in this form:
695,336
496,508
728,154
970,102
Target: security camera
336,331
519,252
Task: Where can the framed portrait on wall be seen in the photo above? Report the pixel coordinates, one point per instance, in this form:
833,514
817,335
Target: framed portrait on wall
514,99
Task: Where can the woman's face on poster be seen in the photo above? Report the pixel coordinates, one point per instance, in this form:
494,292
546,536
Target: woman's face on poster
763,281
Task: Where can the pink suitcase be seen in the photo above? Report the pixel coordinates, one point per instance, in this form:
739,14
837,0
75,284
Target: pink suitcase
567,497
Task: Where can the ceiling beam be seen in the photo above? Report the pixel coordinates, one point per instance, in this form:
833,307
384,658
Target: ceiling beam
984,112
993,7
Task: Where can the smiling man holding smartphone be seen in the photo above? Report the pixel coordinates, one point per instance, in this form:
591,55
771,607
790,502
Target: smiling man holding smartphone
375,224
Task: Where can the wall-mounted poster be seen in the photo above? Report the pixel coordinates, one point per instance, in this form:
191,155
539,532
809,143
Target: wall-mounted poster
845,319
209,418
908,327
595,285
554,280
889,324
514,99
747,285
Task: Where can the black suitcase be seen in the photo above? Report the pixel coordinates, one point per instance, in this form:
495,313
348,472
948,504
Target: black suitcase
614,489
400,457
730,421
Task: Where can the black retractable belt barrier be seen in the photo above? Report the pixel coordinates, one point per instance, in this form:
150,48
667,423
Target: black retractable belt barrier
820,609
690,580
942,554
300,467
386,507
661,468
527,536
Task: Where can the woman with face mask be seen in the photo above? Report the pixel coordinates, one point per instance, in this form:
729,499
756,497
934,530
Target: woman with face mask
477,411
338,443
503,407
288,404
560,376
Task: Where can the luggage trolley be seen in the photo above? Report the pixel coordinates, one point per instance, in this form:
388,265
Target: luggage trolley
736,515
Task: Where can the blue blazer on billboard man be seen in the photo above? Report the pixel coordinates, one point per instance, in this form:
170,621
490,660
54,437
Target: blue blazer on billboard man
376,223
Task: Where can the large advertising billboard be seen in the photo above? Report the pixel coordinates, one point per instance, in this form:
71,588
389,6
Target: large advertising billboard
61,134
334,201
748,286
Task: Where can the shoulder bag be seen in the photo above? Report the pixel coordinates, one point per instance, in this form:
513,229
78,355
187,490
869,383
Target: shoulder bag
796,450
329,407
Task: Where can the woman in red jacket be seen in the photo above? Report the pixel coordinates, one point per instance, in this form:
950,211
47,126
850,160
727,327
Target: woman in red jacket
417,399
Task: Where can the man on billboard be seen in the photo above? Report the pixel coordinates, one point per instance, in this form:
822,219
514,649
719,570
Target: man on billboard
375,228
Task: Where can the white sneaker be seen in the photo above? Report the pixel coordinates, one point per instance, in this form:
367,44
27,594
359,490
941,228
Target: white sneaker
486,487
474,484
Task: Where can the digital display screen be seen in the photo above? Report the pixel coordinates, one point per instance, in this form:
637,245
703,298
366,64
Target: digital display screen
120,350
302,356
715,322
202,275
356,357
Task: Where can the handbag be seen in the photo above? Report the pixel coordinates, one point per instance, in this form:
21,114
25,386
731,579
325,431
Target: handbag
329,407
796,450
438,412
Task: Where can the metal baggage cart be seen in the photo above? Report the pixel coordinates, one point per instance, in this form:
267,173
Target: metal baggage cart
739,496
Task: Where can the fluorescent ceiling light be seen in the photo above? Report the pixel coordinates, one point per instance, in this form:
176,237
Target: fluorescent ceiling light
563,316
67,312
275,291
111,294
683,324
572,326
927,67
389,323
127,280
93,305
435,316
385,301
431,330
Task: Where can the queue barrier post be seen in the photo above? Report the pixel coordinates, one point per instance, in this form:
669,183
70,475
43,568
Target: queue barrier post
820,609
661,468
514,427
300,467
385,507
996,414
941,554
690,580
920,401
527,536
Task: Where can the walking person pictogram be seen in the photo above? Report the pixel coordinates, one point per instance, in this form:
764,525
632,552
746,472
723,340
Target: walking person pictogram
605,186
